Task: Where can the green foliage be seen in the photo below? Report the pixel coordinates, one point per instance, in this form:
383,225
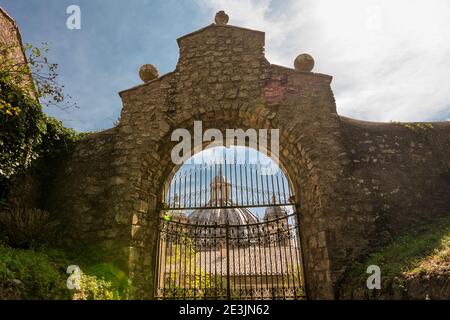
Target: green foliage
185,258
41,278
36,74
43,275
27,228
26,133
93,288
118,280
29,136
408,250
417,251
422,130
201,284
20,132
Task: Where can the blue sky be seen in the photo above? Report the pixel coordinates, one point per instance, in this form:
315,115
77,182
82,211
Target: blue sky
104,57
389,59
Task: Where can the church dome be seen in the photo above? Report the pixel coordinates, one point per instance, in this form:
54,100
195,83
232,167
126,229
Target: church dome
273,213
276,212
221,216
220,193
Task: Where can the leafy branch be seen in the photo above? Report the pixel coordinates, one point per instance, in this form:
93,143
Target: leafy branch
36,75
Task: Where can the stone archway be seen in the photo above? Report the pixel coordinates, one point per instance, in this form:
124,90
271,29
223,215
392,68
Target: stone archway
237,89
357,183
295,159
224,80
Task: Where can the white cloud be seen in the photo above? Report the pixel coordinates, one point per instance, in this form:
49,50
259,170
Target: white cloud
390,59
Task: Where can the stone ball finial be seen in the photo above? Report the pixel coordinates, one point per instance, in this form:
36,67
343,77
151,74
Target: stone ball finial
148,72
304,62
221,18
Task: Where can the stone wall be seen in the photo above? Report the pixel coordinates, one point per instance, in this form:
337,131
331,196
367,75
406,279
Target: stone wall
355,183
402,171
10,38
10,35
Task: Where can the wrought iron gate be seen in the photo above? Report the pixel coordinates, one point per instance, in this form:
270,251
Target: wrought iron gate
234,256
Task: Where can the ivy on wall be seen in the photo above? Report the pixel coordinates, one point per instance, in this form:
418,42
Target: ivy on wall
26,133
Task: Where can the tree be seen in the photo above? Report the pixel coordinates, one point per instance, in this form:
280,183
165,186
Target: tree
36,74
26,133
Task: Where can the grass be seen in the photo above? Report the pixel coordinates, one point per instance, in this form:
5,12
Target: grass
420,250
424,250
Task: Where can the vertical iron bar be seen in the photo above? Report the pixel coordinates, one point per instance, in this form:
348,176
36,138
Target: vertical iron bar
231,184
214,235
201,186
257,184
246,185
273,189
200,263
190,188
278,189
184,240
269,226
261,288
195,260
195,186
240,179
221,185
245,266
236,183
227,240
179,193
292,261
175,193
249,257
165,261
266,238
239,261
169,241
211,186
189,252
226,186
276,244
174,263
220,247
216,189
279,239
210,259
185,189
285,226
251,184
233,248
158,264
180,259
